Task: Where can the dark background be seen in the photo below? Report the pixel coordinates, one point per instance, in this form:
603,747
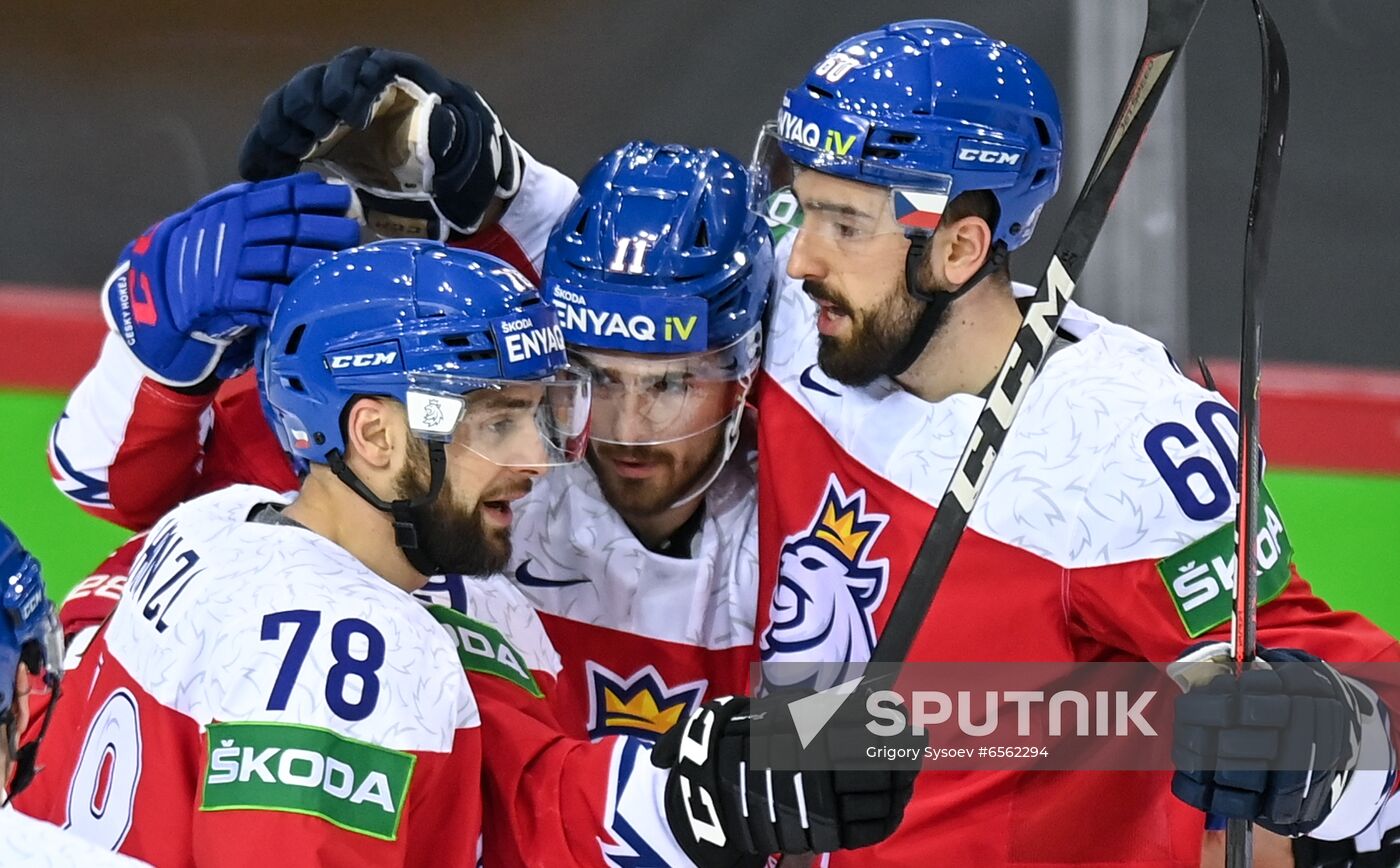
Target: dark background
115,114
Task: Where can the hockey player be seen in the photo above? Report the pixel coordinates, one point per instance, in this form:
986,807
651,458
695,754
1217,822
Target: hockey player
267,666
901,173
643,563
30,647
305,705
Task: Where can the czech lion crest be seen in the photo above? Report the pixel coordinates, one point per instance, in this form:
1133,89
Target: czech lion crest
821,631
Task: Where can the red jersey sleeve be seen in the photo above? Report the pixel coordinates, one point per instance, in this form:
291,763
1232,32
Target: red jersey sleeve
549,798
129,449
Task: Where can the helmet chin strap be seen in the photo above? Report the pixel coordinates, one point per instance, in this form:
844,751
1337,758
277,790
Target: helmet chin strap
935,303
408,535
731,441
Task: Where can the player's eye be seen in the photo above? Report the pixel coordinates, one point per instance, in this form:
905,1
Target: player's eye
602,377
503,425
676,383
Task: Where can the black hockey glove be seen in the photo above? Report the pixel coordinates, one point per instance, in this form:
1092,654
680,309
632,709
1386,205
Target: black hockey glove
426,154
726,811
1276,745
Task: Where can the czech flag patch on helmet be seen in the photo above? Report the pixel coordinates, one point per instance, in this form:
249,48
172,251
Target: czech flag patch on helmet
918,209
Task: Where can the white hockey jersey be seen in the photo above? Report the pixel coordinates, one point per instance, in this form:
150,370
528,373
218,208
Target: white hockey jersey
1102,534
29,843
287,703
644,637
262,682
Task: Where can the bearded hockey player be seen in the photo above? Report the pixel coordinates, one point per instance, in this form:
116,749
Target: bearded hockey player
267,666
30,645
899,175
306,706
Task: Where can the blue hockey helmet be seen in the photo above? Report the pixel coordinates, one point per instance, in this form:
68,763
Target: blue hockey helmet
29,635
438,329
460,338
662,258
660,253
930,109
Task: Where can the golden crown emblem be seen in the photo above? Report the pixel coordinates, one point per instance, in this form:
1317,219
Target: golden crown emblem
840,526
641,712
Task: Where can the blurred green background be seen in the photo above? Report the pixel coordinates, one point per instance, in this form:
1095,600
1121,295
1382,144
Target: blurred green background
1342,525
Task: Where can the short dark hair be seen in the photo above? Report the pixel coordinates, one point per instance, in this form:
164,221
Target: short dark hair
978,203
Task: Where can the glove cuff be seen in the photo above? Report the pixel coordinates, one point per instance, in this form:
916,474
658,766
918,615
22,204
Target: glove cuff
1369,784
189,363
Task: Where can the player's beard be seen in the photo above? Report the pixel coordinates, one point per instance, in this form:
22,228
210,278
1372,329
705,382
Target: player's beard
876,336
678,472
456,539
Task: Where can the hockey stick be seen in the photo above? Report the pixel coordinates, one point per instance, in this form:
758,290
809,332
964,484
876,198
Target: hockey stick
1273,120
1169,25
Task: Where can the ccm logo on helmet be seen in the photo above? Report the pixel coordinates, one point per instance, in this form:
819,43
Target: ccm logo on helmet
983,156
363,360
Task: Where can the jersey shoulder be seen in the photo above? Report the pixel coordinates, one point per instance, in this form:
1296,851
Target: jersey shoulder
1157,507
1099,377
1168,477
495,601
230,620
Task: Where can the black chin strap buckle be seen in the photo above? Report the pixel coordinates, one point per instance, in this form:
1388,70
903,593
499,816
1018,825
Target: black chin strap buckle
405,534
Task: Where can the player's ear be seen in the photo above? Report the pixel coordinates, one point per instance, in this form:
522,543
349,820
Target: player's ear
967,245
373,431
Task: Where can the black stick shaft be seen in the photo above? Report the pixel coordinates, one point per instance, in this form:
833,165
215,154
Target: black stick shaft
1273,120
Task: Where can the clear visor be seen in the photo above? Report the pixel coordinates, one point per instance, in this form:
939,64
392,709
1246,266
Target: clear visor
511,423
826,202
642,400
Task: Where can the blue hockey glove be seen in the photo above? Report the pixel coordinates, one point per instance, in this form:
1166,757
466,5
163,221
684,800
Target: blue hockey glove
1280,744
189,295
426,153
29,635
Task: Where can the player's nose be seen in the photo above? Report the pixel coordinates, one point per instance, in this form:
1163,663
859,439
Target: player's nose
804,263
630,422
